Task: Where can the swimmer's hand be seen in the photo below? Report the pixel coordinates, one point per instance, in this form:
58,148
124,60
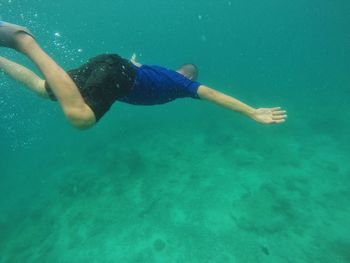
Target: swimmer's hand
261,115
269,115
133,60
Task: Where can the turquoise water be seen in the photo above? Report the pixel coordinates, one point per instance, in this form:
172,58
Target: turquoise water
186,181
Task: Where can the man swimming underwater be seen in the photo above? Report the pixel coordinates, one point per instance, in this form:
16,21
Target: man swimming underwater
87,93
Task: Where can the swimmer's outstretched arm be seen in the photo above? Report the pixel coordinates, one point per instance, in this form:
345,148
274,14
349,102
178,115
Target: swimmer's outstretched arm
261,115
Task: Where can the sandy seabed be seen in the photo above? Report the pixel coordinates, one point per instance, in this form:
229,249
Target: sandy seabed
183,192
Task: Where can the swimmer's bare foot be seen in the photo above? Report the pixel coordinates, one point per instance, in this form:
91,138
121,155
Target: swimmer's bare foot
14,36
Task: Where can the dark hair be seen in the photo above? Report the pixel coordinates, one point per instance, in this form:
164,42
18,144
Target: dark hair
190,70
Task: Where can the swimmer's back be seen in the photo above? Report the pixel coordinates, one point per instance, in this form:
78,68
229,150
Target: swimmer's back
158,85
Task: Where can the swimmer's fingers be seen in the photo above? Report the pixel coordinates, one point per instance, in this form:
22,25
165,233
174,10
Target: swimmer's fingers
133,60
279,114
279,117
133,57
276,112
279,121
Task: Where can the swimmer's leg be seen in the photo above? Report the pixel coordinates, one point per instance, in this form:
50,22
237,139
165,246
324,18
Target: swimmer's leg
74,107
24,76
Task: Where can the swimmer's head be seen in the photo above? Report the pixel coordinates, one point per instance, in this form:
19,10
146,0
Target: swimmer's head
189,70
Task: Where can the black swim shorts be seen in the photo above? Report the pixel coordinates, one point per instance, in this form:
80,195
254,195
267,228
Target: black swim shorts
101,81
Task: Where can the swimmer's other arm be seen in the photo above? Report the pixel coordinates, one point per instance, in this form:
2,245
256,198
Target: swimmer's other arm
261,115
133,60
